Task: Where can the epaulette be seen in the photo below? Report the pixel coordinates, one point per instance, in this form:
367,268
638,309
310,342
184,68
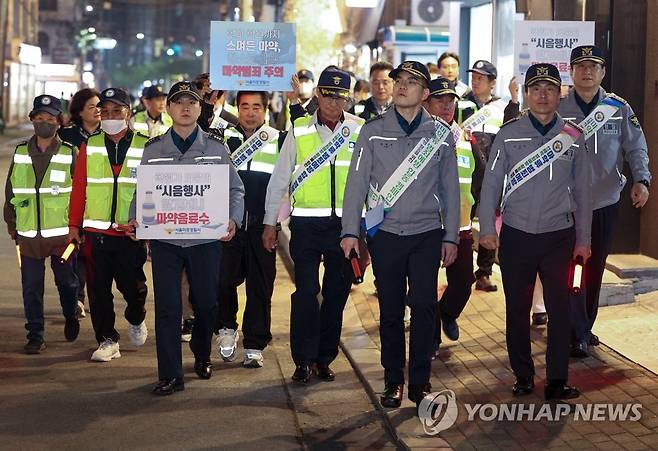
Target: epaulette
616,97
142,135
216,137
152,140
514,119
372,119
437,118
574,125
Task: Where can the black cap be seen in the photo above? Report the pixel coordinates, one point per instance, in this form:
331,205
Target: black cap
305,73
334,83
484,67
46,103
153,91
183,88
442,86
418,70
542,72
587,53
116,95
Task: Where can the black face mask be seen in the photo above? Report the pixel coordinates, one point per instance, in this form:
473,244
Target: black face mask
45,129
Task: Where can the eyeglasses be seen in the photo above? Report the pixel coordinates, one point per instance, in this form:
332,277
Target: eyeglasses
408,82
338,100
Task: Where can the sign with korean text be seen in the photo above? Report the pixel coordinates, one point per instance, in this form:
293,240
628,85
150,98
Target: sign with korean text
254,56
541,41
182,201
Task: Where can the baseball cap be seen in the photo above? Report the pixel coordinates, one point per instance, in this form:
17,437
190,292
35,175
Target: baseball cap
115,95
484,67
46,103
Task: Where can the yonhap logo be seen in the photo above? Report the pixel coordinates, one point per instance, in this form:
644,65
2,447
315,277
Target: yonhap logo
438,411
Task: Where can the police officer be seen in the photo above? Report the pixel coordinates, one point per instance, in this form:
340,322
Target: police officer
442,103
381,87
320,147
103,187
619,137
254,147
154,120
411,217
483,82
546,223
36,212
185,143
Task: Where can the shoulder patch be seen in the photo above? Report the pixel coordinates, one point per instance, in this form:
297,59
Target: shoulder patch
635,121
152,140
616,97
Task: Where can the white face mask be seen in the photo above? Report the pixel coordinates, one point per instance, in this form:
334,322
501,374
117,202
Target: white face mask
113,126
306,89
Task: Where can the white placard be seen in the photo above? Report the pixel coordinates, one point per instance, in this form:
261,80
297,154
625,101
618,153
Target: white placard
182,201
541,41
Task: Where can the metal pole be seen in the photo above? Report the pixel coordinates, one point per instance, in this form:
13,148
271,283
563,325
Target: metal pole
3,58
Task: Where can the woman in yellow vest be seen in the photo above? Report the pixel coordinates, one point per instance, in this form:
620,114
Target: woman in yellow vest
36,212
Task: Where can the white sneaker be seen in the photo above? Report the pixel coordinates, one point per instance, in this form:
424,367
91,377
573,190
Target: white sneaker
407,313
138,334
107,351
80,310
253,358
227,344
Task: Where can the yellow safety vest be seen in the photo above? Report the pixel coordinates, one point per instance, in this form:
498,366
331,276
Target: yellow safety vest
101,193
465,168
43,209
265,158
140,124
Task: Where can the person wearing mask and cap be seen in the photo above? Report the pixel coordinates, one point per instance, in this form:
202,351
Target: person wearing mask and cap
103,186
541,165
186,144
36,212
442,103
412,222
312,168
381,87
613,135
154,120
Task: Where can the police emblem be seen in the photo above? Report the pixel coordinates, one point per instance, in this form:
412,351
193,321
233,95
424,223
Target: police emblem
542,70
598,116
479,64
444,84
635,121
263,136
557,146
184,87
587,51
345,131
45,101
336,80
109,93
407,65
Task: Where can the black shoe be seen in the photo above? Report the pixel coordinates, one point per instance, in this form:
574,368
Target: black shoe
484,284
594,340
71,329
34,346
418,391
323,372
450,329
169,386
560,391
392,396
302,374
579,350
523,386
539,319
203,368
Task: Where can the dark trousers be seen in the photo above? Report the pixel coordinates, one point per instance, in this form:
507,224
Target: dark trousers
485,261
522,255
315,328
32,278
244,259
398,262
585,306
201,263
114,259
460,278
81,272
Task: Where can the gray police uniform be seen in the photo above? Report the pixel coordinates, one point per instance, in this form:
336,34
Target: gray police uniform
542,220
620,138
407,245
199,258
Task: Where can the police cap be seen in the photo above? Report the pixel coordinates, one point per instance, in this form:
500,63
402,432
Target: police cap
587,53
152,92
484,67
334,83
542,72
418,70
442,86
183,88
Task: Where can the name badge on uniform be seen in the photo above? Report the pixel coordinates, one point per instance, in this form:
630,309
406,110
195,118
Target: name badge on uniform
55,190
133,173
57,176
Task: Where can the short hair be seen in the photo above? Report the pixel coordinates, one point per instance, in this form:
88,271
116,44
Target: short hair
446,55
362,85
262,94
78,101
380,65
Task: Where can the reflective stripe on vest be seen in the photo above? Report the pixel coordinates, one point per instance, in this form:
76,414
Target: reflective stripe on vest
314,197
140,123
43,209
465,168
101,181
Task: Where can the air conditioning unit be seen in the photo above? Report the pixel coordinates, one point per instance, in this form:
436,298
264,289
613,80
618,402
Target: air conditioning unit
430,12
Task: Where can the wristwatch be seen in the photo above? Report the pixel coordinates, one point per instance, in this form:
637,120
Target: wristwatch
644,182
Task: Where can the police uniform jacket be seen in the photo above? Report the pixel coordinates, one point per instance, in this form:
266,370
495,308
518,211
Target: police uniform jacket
206,149
430,202
549,201
621,136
